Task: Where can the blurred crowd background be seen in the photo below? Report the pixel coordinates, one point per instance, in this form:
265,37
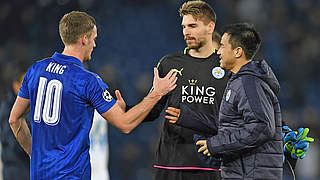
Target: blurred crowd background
134,34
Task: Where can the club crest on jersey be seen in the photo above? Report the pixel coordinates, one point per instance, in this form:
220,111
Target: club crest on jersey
106,95
218,72
228,95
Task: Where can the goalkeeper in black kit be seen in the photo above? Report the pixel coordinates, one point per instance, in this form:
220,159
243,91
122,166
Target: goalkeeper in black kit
200,85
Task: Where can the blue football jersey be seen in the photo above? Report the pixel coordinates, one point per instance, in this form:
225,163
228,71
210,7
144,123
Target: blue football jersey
63,96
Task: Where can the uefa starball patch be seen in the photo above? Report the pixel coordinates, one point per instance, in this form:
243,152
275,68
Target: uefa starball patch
106,95
218,72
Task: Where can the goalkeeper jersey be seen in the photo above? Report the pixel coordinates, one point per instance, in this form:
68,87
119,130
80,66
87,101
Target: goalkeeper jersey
63,96
200,86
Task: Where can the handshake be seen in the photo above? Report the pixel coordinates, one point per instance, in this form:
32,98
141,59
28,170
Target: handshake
296,142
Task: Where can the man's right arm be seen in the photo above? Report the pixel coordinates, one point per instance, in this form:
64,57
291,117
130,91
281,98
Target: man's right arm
191,119
155,111
127,121
18,123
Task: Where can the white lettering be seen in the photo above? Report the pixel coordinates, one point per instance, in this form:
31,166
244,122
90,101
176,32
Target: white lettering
55,68
198,99
205,100
183,98
210,91
54,65
62,69
198,94
200,91
49,66
190,99
211,101
184,90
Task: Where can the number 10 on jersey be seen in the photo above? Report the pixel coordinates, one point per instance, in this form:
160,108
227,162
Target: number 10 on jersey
48,102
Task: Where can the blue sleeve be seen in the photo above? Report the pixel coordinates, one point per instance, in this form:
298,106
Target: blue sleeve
197,121
24,89
258,114
98,95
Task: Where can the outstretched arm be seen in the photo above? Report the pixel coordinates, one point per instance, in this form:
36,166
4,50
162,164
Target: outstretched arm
155,111
127,121
18,123
191,119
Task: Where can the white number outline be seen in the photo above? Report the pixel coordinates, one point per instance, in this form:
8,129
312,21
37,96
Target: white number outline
52,101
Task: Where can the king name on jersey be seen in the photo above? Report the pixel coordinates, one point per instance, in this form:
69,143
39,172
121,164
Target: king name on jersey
55,68
193,93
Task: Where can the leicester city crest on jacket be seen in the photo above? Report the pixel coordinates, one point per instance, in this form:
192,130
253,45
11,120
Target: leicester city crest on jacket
228,95
106,95
218,72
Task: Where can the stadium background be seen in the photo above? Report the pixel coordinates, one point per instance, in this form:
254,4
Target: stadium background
134,34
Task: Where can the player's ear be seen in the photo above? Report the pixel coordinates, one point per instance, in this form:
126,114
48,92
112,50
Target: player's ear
238,51
84,39
211,27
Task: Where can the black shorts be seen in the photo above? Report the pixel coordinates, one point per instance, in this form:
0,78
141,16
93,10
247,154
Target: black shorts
166,174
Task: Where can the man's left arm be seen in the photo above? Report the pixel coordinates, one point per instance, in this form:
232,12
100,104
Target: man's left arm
18,123
258,118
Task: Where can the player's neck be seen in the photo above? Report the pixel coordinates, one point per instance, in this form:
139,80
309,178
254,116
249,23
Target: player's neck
73,51
203,52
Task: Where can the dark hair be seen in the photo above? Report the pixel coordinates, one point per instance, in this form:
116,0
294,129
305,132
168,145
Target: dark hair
244,35
75,24
199,10
216,37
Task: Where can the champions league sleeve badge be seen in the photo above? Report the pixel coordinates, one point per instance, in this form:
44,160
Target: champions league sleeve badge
106,95
218,72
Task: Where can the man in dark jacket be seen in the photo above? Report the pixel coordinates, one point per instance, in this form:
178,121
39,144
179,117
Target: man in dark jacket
249,123
15,160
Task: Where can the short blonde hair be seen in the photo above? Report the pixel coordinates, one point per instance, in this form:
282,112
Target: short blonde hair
75,24
199,10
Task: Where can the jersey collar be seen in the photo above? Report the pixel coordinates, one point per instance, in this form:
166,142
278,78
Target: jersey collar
71,59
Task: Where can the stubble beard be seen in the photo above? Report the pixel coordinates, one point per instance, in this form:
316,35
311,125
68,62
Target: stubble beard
195,46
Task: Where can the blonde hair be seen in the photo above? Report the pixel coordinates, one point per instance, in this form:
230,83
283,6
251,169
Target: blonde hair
199,10
75,24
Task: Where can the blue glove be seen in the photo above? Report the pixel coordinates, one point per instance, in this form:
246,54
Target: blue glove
285,130
289,138
299,150
288,134
298,145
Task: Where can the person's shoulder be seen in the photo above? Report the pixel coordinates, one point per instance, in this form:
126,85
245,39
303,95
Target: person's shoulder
170,57
43,61
247,84
177,54
37,64
89,74
173,55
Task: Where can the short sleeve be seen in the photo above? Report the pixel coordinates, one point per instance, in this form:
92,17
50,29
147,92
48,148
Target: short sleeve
98,94
24,89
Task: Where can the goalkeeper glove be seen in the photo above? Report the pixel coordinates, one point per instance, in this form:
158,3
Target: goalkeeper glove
297,144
